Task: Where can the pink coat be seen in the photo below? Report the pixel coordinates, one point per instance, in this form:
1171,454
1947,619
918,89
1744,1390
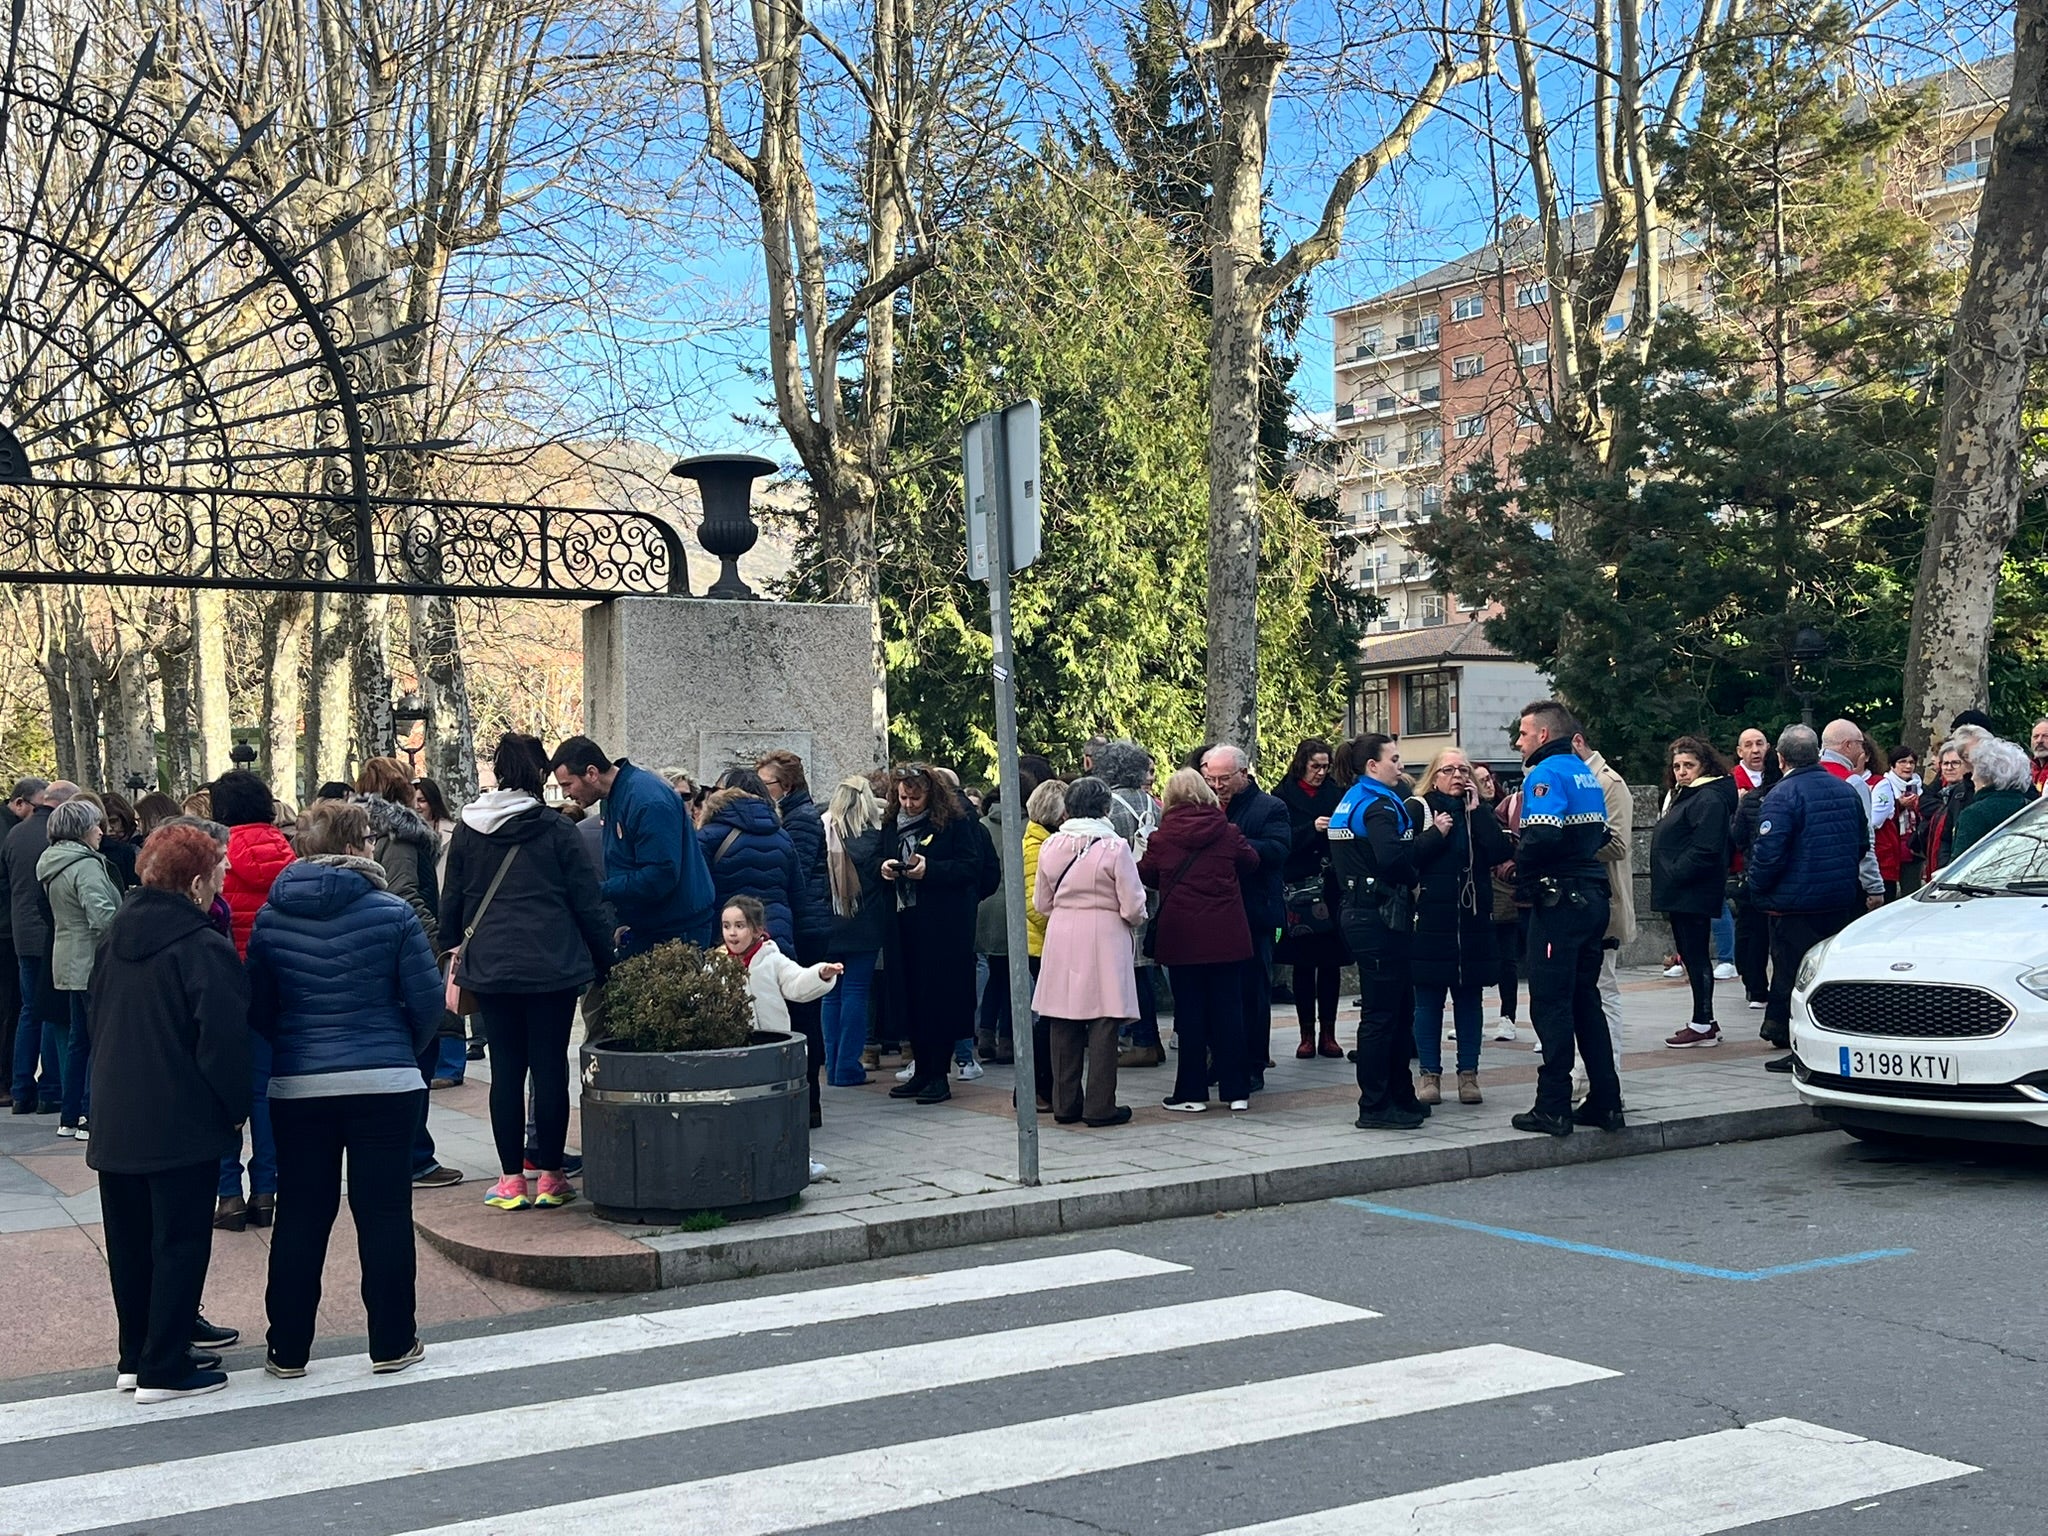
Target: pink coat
1092,910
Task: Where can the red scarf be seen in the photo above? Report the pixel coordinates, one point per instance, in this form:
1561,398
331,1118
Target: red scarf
746,957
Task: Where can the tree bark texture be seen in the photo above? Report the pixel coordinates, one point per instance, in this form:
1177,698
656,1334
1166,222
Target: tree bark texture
287,620
214,732
327,695
1978,482
450,757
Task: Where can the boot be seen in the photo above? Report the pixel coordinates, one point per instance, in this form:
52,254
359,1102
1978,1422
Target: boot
1307,1049
262,1210
1429,1089
231,1215
1328,1046
1468,1088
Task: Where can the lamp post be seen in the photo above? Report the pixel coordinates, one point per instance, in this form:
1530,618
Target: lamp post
1808,650
408,712
137,784
241,754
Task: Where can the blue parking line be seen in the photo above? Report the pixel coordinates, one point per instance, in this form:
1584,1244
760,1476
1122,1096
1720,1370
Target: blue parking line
1678,1266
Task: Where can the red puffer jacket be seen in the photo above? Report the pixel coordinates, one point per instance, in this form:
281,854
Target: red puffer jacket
257,855
1201,917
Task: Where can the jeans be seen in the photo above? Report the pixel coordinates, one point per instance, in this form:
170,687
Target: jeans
1468,1008
1564,999
374,1131
159,1236
451,1058
33,1042
77,1058
1690,933
808,1019
262,1136
1724,936
1208,1019
845,1021
528,1032
992,1018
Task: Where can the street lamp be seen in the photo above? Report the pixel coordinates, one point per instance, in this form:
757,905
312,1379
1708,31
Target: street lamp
409,711
137,783
1808,650
241,754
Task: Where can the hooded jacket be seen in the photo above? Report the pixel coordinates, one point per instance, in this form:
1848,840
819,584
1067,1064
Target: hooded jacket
84,895
1689,849
342,981
257,855
752,854
547,929
408,849
168,1011
811,901
1201,917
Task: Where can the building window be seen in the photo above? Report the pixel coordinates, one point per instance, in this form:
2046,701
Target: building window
1375,711
1372,504
1368,344
1428,699
1470,307
1472,426
1968,161
1431,609
1527,294
1432,498
1533,353
1469,366
1428,440
1616,324
1417,331
1533,415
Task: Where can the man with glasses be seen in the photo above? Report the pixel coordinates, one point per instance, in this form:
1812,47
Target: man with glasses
1264,821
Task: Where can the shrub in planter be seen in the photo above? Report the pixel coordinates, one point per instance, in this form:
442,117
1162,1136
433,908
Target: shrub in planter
686,1106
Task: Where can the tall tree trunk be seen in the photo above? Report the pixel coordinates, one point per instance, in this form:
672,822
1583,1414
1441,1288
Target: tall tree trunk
369,642
81,664
328,695
444,690
129,729
1977,477
213,723
285,623
174,668
56,671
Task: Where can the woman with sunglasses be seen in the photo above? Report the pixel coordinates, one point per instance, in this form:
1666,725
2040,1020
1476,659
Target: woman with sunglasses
1454,954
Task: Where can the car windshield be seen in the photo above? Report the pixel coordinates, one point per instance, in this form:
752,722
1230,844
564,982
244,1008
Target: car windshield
2012,861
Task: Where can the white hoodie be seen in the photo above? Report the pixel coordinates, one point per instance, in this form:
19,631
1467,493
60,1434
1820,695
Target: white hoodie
494,807
776,981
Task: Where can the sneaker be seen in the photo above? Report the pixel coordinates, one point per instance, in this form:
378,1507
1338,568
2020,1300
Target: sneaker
192,1384
572,1166
554,1190
818,1170
440,1176
1185,1106
909,1071
207,1335
1756,1005
198,1359
1725,971
1504,1029
1173,1042
970,1070
393,1367
1687,1038
1240,1105
67,1131
1674,973
81,1133
508,1194
272,1366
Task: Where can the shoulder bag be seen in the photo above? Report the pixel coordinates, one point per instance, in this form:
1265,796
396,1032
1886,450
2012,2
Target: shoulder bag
458,998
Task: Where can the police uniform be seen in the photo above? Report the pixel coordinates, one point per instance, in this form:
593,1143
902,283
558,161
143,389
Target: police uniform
1372,850
1558,872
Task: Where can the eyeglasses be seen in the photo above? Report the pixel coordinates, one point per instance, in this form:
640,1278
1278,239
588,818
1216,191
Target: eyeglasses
1455,770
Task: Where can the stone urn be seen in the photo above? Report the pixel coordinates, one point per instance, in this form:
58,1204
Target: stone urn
725,483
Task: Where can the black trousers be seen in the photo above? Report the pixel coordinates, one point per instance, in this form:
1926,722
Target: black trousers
1564,999
1255,980
808,1019
1507,956
159,1229
1792,935
528,1032
1693,936
1208,1020
938,996
1386,1022
374,1131
1316,985
1753,950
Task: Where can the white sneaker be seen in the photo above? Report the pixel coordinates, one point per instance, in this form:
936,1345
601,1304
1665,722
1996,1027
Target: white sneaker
1674,973
125,1382
1504,1029
1451,1033
66,1132
818,1170
969,1070
909,1071
1756,1006
1240,1105
81,1134
1173,1042
1725,971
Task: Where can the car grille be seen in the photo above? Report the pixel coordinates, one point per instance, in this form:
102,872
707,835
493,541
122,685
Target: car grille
1951,1093
1915,1010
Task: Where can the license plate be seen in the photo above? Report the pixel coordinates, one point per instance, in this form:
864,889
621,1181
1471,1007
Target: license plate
1903,1066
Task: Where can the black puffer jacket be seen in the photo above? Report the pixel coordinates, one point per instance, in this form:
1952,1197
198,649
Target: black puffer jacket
408,849
1690,848
1454,941
811,902
28,906
547,929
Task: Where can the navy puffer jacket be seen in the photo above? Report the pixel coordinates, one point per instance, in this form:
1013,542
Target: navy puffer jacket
341,978
1810,838
758,859
806,829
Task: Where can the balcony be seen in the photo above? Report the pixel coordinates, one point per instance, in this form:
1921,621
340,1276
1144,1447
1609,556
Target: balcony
1419,458
1414,344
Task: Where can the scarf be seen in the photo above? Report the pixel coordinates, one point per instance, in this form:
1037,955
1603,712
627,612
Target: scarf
839,868
1086,828
910,834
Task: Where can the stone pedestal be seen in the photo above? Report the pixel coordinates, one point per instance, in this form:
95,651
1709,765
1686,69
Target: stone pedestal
704,685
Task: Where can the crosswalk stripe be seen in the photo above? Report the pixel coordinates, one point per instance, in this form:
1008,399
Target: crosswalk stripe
76,1412
182,1487
1724,1481
881,1481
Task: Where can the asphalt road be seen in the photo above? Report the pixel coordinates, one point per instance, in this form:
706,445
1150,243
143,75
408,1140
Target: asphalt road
1637,1346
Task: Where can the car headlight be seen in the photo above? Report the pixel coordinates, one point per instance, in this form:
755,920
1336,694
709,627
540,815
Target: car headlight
2036,982
1809,967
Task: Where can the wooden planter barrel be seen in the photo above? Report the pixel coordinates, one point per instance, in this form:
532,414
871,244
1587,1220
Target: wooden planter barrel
669,1134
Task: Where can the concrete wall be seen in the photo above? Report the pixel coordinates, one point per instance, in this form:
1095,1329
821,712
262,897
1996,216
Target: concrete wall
693,683
1490,699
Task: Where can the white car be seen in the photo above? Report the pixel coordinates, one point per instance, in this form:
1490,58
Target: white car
1929,1016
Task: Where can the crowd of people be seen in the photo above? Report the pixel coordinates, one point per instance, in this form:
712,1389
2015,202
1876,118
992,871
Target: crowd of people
230,1000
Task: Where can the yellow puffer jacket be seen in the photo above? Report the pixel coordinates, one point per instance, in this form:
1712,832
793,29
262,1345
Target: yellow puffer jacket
1034,839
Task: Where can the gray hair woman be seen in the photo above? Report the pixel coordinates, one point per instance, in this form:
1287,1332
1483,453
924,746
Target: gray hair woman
2004,783
1127,769
85,894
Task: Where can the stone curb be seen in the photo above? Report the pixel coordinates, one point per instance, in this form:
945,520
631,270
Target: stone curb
813,1242
628,1271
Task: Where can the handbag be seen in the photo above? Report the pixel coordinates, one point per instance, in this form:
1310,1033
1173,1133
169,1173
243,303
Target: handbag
1148,946
456,997
1308,908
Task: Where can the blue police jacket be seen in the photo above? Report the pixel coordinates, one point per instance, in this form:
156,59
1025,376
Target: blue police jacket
1564,820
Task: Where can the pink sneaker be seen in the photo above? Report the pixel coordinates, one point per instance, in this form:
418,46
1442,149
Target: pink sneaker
555,1190
508,1194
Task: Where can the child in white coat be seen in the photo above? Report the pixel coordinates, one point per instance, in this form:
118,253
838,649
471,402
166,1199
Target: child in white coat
773,979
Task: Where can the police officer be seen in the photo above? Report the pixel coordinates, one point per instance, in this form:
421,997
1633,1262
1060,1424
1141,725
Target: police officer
1372,849
1558,872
